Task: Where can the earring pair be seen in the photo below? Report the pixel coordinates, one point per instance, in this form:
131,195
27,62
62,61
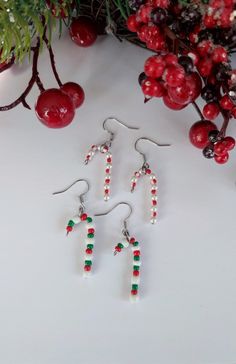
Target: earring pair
144,170
125,241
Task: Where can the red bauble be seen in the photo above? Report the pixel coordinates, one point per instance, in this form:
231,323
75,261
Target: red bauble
75,92
171,104
83,31
198,133
54,108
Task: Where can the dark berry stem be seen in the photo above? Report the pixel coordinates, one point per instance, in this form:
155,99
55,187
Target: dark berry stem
31,83
52,59
198,109
225,124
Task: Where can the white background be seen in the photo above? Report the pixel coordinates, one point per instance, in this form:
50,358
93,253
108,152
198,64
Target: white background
48,312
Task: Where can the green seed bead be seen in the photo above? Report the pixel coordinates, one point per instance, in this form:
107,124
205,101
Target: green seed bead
136,267
88,262
135,286
89,219
90,236
137,257
120,245
136,243
71,223
90,246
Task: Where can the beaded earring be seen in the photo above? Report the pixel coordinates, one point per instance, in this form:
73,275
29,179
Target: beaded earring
105,148
82,216
127,241
146,171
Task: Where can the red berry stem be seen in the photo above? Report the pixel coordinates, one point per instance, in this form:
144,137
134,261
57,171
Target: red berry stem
21,99
52,60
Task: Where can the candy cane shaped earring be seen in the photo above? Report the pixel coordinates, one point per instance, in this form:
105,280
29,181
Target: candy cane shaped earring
127,241
146,171
105,148
77,219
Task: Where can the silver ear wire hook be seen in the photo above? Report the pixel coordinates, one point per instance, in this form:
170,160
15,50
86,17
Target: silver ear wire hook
81,196
112,134
150,140
125,229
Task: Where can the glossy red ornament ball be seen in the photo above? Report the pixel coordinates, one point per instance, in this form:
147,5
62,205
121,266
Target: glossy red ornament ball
226,103
211,111
54,108
198,133
83,31
75,91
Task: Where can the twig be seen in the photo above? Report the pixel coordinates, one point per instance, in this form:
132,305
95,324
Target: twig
52,59
198,109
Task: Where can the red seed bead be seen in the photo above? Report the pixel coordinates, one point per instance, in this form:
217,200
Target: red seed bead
154,214
154,181
132,23
148,171
69,229
107,170
154,202
230,142
91,231
221,159
226,103
136,252
134,292
87,268
83,217
132,240
109,160
88,251
106,191
220,55
107,180
136,273
211,111
154,66
117,249
153,192
174,76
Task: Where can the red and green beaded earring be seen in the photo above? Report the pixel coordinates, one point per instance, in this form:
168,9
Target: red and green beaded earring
105,148
82,216
146,171
127,241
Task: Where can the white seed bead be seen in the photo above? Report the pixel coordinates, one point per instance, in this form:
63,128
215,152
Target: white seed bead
88,257
135,248
108,155
133,179
109,165
153,221
125,243
76,219
153,209
154,188
154,198
86,274
135,280
90,225
89,241
134,298
106,187
106,198
137,262
137,174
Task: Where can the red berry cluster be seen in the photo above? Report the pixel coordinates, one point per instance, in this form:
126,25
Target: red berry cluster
164,76
219,13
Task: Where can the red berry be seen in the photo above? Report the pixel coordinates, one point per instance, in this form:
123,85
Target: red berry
152,88
142,33
226,103
180,94
87,268
205,67
171,104
83,217
221,159
209,21
194,82
143,14
54,108
132,23
159,3
171,59
211,111
220,55
83,31
233,112
75,92
154,66
220,148
174,76
204,48
198,133
230,142
157,43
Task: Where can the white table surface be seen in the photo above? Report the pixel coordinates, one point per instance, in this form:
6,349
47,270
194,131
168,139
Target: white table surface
49,314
